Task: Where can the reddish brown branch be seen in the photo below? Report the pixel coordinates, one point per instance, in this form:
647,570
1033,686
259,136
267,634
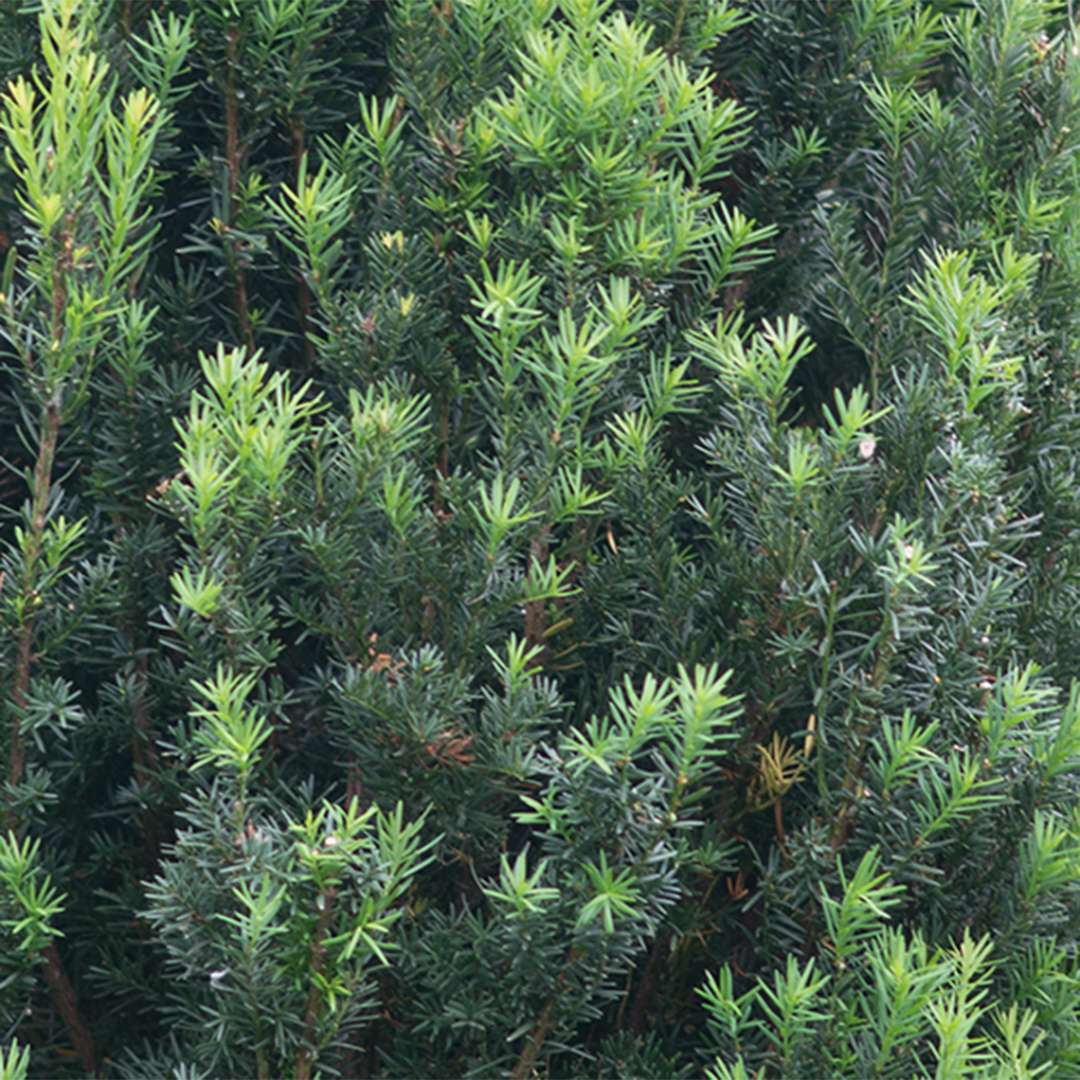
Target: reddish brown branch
50,433
643,1000
536,623
144,759
443,463
305,1059
778,820
63,995
303,293
537,1038
233,154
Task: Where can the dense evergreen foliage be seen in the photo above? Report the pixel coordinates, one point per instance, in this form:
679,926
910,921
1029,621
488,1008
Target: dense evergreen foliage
541,538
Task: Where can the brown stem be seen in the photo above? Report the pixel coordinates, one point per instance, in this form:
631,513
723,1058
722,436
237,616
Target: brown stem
538,1035
17,755
303,293
240,299
778,819
144,758
63,995
50,433
844,821
442,457
647,990
305,1058
734,295
59,298
676,29
232,114
233,155
536,610
443,464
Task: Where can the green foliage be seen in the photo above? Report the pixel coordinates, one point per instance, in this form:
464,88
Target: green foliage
540,538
